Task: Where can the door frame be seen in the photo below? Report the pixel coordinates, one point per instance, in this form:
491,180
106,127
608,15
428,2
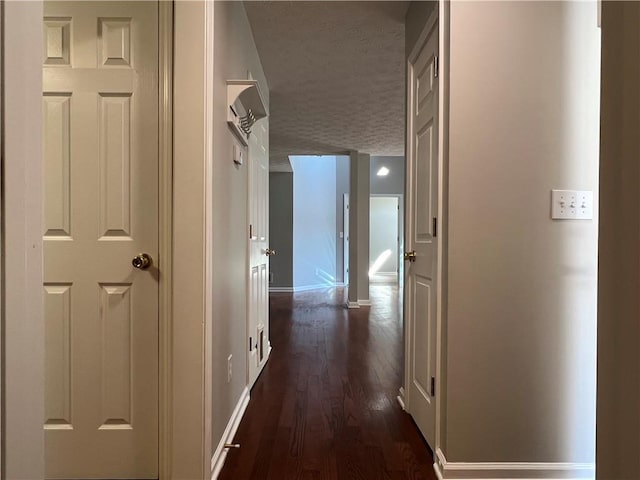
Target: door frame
346,214
22,321
165,235
440,15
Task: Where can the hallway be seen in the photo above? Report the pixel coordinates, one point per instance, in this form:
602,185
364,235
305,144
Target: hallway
325,406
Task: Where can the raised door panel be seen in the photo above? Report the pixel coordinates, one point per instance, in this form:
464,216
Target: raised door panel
423,179
115,165
116,361
57,308
57,41
115,42
57,164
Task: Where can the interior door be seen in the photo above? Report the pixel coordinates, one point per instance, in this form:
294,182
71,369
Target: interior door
259,252
100,117
421,280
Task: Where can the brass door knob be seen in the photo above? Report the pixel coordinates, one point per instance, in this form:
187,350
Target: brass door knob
411,256
142,261
269,252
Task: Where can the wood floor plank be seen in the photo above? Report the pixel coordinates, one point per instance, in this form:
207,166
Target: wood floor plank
325,406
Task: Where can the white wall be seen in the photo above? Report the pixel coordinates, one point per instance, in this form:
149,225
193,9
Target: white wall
235,54
524,119
314,221
383,233
618,422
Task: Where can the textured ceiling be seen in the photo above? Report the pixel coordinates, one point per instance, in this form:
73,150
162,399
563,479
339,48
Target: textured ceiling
336,75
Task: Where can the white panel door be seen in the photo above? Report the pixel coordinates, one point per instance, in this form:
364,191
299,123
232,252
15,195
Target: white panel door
420,275
258,291
100,114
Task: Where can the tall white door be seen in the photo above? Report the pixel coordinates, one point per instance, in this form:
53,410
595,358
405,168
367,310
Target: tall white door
259,251
420,273
100,114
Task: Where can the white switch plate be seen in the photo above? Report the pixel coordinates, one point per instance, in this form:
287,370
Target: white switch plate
571,204
237,154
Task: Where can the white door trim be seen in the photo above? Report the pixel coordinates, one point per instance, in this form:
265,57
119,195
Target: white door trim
440,15
22,314
165,231
443,219
209,81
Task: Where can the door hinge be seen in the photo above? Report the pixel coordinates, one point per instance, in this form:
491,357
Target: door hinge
250,343
436,66
250,231
435,227
433,386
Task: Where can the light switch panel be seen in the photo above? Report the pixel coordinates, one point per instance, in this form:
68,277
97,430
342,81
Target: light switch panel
237,154
571,204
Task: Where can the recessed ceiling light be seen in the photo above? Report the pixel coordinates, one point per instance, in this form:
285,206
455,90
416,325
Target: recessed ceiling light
383,172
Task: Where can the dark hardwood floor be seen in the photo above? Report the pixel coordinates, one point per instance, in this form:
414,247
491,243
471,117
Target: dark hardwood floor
325,405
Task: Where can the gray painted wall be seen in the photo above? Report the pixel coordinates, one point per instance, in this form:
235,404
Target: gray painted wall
281,228
235,54
362,192
618,441
522,287
417,16
393,183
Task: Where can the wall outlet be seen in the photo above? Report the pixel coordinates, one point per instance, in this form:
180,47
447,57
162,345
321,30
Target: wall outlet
571,204
229,368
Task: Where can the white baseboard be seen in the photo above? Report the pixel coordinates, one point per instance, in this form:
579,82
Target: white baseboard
220,455
400,398
510,470
364,302
384,278
280,289
304,288
353,305
307,288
